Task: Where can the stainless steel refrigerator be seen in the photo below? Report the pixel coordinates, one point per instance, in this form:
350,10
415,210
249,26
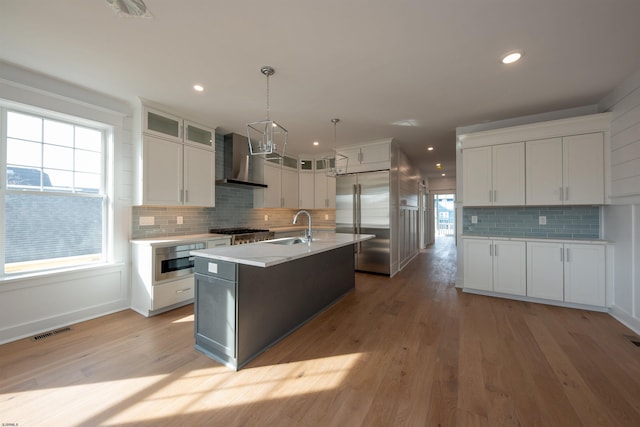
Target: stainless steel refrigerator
363,206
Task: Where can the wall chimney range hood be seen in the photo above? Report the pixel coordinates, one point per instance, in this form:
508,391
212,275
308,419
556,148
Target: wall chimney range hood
239,168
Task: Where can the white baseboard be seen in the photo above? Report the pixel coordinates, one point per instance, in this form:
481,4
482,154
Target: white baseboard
25,330
625,318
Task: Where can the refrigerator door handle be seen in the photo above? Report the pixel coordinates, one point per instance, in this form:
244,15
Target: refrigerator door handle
359,213
355,208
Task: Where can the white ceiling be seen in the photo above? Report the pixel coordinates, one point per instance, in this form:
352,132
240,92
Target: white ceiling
371,63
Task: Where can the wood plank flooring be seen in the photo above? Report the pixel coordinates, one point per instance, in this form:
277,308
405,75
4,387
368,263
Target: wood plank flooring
407,351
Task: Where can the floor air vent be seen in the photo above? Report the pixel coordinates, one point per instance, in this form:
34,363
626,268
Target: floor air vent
49,334
634,340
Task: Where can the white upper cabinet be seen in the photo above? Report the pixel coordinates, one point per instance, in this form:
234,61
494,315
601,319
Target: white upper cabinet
370,157
177,161
199,136
161,124
544,172
199,174
583,169
565,162
567,170
281,178
324,187
494,175
290,187
162,172
306,184
271,195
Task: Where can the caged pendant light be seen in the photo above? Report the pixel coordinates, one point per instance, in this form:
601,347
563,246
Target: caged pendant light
335,163
267,137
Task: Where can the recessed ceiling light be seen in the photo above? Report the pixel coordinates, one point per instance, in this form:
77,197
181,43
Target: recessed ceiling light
316,143
429,148
198,88
512,57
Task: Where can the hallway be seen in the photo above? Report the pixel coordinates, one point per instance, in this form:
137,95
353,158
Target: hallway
407,351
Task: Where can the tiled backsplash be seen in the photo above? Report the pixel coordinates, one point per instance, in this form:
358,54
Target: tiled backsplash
563,222
224,215
234,208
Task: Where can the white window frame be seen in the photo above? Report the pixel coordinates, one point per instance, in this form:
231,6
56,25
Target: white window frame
106,192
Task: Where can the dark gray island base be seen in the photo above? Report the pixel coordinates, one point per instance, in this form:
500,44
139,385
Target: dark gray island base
241,310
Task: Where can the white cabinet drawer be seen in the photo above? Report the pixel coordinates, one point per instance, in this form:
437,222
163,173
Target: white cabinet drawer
174,292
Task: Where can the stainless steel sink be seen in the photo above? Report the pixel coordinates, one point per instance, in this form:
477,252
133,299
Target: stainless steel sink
288,241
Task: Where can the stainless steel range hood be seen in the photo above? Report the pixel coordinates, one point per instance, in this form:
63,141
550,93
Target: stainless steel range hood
240,169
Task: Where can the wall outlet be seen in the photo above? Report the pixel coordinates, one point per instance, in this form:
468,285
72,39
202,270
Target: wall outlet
326,217
147,220
474,219
266,217
542,220
179,220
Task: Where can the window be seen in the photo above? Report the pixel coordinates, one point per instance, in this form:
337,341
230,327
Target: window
54,198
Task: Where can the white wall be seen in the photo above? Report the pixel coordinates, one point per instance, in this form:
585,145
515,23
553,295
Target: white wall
621,220
35,304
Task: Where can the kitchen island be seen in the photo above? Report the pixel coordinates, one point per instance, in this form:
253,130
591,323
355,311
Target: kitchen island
248,297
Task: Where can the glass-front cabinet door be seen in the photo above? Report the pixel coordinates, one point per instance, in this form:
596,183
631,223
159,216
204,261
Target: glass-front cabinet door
162,124
199,135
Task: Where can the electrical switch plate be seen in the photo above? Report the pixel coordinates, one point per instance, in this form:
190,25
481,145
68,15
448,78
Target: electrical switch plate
147,220
474,219
542,220
179,220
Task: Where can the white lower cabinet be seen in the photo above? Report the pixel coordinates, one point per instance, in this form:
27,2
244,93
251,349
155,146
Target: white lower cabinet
564,272
545,275
495,265
150,296
569,272
170,293
584,274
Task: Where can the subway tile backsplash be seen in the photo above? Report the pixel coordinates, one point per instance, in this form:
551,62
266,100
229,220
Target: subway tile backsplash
234,208
226,214
563,222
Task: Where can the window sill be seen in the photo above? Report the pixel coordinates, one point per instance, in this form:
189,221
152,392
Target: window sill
52,276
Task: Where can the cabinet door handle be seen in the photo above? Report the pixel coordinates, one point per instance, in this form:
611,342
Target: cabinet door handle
567,257
561,255
490,196
182,195
179,291
186,196
490,249
566,194
495,196
561,194
495,250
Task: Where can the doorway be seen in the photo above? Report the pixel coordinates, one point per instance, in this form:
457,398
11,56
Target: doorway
444,215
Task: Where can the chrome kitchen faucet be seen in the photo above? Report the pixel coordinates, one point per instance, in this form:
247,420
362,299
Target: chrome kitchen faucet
309,232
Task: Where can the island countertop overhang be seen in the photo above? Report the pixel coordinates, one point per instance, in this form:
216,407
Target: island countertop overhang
265,254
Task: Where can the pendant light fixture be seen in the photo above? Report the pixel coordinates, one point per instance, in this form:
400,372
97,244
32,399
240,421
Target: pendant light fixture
336,163
267,137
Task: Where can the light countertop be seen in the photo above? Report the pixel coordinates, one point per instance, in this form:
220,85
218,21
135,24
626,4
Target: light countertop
301,228
159,241
265,254
536,239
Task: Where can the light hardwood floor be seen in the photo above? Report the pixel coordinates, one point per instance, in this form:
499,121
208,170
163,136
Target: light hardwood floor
407,351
